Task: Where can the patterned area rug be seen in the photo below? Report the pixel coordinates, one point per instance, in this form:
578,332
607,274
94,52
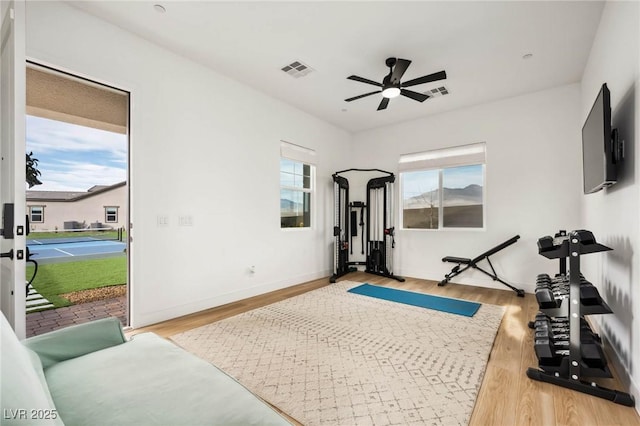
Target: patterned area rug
332,357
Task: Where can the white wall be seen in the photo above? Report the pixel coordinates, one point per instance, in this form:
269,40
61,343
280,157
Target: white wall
533,181
612,214
205,146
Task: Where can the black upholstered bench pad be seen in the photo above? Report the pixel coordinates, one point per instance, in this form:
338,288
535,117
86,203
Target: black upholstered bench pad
454,259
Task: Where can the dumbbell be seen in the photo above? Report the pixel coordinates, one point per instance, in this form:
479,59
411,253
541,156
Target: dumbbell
545,298
560,281
555,287
591,352
560,284
546,324
559,332
542,316
544,280
543,286
545,243
589,295
548,299
546,294
545,348
586,336
585,237
593,356
557,322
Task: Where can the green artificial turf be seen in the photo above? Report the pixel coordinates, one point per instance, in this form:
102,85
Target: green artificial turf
54,279
111,234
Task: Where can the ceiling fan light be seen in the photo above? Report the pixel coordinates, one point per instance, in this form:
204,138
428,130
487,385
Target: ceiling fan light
391,92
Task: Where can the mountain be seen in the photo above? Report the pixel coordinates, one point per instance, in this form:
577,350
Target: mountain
287,204
469,195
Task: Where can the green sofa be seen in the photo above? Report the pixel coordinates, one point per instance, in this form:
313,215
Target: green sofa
90,374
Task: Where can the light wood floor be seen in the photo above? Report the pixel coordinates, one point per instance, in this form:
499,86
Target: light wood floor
507,395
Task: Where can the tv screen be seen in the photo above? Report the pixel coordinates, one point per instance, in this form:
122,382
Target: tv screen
598,160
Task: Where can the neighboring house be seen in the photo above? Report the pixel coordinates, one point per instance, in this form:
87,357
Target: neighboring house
100,206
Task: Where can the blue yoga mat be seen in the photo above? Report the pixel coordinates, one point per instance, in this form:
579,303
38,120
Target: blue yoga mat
444,304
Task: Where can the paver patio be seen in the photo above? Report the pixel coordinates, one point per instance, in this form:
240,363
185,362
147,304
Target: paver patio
53,319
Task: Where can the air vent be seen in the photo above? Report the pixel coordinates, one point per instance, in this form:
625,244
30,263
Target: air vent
297,69
438,91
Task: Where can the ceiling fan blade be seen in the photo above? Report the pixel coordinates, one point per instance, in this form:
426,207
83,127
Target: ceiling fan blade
362,96
383,104
420,97
399,69
425,79
364,80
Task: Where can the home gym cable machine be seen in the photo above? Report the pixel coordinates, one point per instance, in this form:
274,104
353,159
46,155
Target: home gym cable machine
377,229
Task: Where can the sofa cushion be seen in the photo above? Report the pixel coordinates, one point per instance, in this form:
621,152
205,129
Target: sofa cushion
76,340
150,381
25,396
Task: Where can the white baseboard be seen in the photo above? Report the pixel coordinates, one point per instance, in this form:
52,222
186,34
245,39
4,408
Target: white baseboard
143,319
622,373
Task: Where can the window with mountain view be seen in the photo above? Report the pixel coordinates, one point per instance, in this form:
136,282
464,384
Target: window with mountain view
462,197
295,194
440,191
421,199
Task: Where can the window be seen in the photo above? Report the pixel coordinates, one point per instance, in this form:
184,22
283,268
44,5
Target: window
296,186
36,214
111,214
420,199
443,188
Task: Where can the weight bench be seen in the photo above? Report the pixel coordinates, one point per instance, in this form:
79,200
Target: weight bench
473,263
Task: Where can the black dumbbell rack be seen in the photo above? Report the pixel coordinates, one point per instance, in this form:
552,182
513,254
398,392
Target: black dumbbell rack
567,349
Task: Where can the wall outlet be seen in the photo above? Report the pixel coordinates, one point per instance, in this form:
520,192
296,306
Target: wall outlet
252,269
163,220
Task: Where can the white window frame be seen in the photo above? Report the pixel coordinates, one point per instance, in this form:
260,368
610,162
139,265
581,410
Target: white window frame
441,159
305,156
41,214
106,214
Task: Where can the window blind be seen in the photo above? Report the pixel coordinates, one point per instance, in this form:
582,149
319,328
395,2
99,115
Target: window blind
443,158
297,153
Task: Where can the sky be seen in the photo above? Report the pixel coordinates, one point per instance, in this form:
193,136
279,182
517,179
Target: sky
75,158
417,183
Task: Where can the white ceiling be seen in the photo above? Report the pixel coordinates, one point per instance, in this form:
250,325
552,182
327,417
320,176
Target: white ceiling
479,44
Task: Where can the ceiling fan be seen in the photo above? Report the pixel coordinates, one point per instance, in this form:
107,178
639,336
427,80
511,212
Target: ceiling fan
391,85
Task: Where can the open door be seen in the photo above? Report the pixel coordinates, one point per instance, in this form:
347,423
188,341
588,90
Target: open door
79,218
12,163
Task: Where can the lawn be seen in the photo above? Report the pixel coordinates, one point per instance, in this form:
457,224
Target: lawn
110,234
54,279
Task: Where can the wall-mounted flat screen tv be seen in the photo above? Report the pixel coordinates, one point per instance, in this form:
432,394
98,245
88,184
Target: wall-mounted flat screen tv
599,145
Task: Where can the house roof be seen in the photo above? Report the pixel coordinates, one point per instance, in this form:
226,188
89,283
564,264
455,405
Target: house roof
71,196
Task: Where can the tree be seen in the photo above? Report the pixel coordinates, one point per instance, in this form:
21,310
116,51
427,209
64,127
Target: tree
32,171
